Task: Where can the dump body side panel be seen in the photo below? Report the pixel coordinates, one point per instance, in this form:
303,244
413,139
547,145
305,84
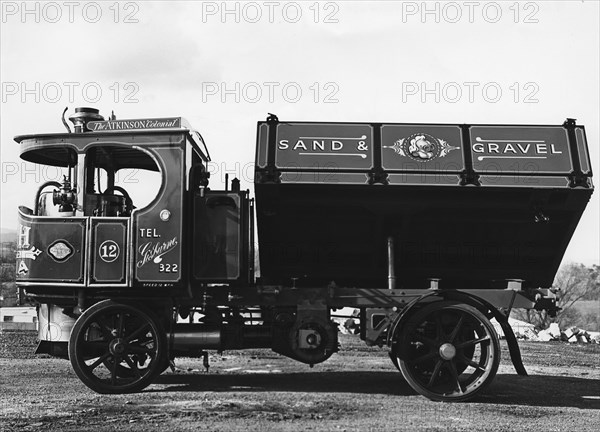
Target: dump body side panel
470,205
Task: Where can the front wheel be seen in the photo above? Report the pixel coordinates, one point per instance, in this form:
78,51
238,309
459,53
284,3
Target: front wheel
448,351
117,348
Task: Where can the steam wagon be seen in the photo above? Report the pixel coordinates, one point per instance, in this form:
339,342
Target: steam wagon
429,230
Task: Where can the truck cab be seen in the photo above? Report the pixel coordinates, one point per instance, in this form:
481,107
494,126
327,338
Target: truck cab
87,235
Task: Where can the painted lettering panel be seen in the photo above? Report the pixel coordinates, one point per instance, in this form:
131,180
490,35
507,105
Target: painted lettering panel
422,148
324,146
528,150
109,250
133,124
50,250
158,227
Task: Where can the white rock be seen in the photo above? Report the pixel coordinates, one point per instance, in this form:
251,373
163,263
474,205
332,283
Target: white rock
554,330
530,335
569,333
594,337
545,336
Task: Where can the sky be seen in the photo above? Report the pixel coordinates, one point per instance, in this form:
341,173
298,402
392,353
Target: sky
225,66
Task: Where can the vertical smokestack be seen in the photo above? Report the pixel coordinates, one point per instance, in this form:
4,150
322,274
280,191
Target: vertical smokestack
82,116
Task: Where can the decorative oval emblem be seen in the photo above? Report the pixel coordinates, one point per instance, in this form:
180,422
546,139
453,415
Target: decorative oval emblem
422,147
60,250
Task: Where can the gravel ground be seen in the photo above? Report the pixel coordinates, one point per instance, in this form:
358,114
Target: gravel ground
258,390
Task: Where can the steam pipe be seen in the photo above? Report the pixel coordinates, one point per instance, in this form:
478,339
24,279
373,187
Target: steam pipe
39,192
64,121
390,257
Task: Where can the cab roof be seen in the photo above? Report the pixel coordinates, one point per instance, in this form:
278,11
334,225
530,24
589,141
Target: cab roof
117,139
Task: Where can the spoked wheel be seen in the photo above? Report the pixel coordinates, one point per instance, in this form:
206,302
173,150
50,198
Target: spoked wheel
448,351
117,348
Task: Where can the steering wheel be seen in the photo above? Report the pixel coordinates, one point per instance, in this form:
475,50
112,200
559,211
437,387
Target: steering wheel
128,201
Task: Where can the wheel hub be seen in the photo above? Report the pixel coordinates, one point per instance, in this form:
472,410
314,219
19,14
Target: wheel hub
447,351
117,346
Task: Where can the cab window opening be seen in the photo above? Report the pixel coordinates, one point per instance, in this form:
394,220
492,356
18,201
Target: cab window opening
61,200
119,180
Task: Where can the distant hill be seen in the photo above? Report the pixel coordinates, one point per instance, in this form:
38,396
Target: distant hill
8,235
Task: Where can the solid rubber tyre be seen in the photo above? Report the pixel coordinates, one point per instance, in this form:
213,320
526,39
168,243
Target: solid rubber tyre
448,351
117,348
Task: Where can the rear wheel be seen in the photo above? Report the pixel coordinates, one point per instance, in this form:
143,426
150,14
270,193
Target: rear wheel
448,351
117,348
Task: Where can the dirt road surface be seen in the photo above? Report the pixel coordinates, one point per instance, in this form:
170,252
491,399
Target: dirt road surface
358,389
